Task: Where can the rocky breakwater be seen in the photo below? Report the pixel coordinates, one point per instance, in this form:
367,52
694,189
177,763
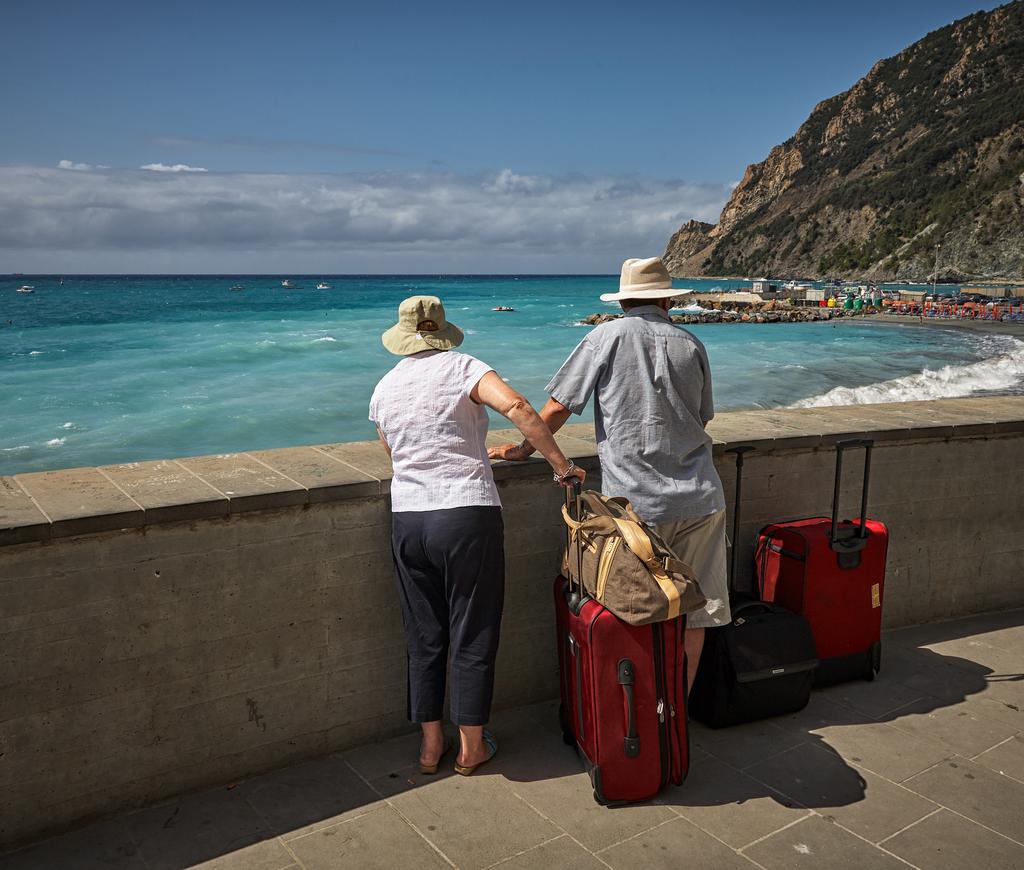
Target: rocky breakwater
759,312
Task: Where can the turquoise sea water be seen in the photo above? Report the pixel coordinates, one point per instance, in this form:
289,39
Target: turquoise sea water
118,369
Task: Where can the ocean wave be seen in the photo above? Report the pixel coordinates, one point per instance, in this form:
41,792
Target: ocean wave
324,338
56,442
999,372
36,352
15,449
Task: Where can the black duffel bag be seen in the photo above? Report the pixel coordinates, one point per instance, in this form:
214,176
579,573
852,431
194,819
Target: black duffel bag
761,664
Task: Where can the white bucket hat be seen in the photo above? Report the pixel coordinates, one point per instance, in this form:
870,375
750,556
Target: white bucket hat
644,279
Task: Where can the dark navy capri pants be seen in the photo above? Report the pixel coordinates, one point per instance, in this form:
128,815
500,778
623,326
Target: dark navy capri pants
451,582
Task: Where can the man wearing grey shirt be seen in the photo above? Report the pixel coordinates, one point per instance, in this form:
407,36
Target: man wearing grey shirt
651,384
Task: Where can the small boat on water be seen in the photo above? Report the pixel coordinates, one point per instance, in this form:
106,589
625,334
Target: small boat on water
503,308
323,285
26,288
288,285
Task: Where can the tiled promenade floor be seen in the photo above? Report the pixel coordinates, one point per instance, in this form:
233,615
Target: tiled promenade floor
924,768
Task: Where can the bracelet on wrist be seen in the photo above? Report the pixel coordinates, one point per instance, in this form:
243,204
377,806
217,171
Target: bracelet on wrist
560,478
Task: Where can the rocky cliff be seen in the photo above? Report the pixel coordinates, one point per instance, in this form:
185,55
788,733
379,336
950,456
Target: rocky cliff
920,162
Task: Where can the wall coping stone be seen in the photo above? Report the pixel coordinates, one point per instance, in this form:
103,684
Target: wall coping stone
39,506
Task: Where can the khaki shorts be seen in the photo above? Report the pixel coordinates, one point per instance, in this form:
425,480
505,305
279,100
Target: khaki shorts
700,543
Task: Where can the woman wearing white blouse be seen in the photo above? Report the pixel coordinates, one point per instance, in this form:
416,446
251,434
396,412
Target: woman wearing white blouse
447,535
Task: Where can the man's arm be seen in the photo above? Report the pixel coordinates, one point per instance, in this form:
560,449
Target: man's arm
554,414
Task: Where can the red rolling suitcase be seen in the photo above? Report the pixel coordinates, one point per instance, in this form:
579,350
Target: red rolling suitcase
834,574
623,691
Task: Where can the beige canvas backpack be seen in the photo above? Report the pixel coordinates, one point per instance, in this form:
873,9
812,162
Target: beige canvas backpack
626,565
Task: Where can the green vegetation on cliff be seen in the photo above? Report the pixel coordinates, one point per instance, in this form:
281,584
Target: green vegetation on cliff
927,149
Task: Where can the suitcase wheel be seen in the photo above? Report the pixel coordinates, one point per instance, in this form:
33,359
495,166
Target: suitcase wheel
874,662
568,738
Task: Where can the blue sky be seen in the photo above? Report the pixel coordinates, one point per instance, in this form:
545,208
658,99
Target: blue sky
343,136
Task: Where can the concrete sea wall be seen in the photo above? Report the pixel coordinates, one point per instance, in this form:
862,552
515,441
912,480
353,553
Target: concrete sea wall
170,625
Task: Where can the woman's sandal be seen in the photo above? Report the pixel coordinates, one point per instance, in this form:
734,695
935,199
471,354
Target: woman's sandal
492,745
428,769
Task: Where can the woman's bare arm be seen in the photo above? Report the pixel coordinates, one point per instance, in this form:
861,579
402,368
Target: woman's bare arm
493,392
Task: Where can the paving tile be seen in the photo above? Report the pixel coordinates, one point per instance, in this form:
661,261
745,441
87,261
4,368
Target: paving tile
972,790
409,777
879,747
20,519
936,632
947,841
299,799
820,713
874,699
563,793
962,727
379,839
674,845
217,827
1002,711
563,853
818,777
816,843
1010,639
167,490
744,745
389,756
326,478
248,484
103,846
928,673
80,501
728,804
460,815
367,457
1007,758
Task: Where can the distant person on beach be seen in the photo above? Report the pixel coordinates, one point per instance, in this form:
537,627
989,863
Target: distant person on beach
447,536
651,383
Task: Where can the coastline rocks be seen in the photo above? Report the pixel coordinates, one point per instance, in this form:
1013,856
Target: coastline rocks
769,312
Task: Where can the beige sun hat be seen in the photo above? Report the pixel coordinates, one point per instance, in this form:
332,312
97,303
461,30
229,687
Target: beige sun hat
644,279
421,326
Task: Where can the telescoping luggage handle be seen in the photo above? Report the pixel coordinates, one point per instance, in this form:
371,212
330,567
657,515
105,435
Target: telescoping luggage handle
575,598
849,542
739,451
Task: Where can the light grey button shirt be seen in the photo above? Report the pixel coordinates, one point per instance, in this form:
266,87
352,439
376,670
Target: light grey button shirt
651,383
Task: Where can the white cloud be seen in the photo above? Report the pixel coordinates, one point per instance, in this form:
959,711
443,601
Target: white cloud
177,167
67,164
386,222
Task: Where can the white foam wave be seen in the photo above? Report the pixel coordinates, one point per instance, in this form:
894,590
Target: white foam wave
15,449
325,338
36,352
999,372
68,426
56,442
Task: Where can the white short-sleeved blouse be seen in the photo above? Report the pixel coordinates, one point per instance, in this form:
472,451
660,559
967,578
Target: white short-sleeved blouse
436,432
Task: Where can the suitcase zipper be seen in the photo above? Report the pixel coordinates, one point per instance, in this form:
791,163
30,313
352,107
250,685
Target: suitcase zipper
659,688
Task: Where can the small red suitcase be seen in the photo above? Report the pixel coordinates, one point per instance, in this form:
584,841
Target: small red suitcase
623,690
833,573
